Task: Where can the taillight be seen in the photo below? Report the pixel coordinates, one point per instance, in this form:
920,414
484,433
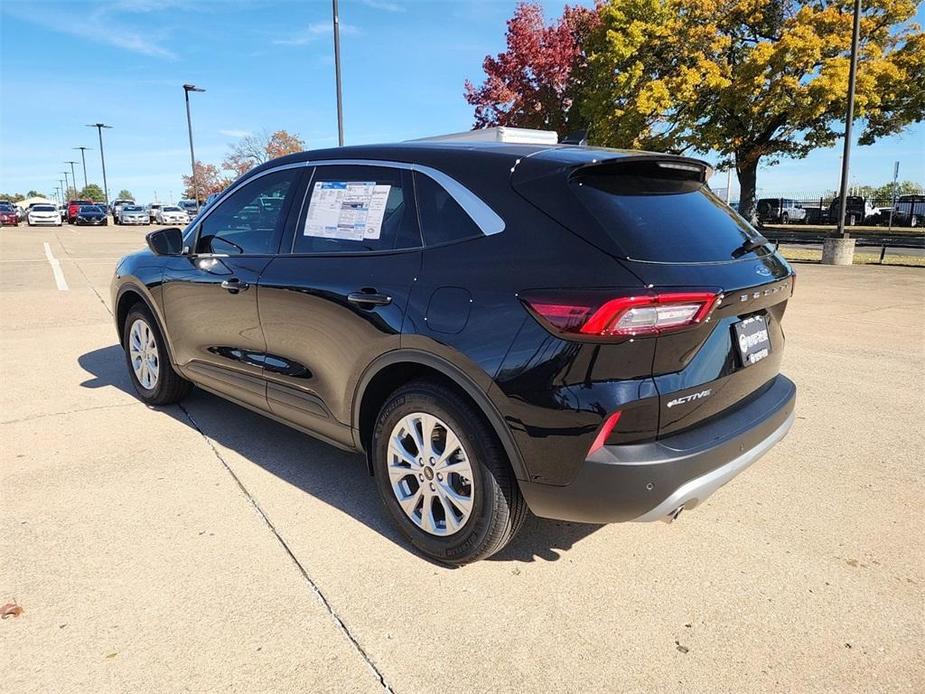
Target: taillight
624,316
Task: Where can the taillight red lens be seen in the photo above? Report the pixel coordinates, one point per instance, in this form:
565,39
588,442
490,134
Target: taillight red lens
626,316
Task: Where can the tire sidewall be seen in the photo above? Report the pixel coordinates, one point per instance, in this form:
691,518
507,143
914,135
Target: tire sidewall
457,547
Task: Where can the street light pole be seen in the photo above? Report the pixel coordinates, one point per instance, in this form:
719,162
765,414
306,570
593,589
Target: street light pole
340,103
839,248
74,177
187,88
99,129
63,190
67,185
849,119
83,160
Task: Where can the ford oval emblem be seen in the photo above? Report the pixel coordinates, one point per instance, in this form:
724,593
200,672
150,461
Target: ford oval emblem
762,270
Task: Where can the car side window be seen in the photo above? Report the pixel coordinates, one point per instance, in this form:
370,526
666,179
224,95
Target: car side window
251,219
354,208
442,219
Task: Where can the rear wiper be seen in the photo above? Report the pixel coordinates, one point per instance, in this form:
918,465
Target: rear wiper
749,246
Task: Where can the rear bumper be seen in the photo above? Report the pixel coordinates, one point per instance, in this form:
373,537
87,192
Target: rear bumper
651,481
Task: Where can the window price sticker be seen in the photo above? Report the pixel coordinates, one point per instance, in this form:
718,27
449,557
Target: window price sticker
348,210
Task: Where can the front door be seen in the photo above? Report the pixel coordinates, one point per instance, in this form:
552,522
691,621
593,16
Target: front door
210,295
335,296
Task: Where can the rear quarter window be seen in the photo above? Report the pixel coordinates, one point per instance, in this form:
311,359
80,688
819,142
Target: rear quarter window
442,218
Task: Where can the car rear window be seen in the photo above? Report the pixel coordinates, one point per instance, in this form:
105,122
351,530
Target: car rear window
661,215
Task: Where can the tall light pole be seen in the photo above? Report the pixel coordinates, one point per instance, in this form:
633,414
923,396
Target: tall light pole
99,129
67,185
73,177
849,118
187,88
83,160
840,250
63,190
340,104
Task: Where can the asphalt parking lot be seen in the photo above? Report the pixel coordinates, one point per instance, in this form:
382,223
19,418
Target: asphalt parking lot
203,547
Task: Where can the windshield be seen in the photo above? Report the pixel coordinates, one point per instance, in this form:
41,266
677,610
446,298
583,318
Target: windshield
6,207
90,208
43,208
131,208
172,209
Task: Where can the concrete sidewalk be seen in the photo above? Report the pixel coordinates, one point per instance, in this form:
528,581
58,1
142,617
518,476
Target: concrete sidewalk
203,547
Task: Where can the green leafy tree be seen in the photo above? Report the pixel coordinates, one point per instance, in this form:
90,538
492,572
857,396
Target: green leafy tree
751,80
125,195
16,197
91,192
33,194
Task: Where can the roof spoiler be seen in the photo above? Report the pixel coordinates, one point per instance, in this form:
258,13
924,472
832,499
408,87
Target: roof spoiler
668,165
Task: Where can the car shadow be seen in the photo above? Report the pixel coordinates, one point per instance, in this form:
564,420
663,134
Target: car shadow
336,477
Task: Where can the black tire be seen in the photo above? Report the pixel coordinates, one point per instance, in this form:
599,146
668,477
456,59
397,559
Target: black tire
170,387
498,509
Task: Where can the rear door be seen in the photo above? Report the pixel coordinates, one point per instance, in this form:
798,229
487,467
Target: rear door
664,225
335,297
210,295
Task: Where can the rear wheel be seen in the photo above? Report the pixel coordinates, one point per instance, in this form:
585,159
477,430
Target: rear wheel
154,378
443,475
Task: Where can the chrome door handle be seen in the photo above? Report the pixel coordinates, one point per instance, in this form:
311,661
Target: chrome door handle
368,299
234,285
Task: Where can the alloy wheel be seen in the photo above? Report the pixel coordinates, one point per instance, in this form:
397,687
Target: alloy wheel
143,353
430,474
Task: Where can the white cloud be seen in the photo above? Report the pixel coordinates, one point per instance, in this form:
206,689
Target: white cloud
383,5
75,24
236,133
313,32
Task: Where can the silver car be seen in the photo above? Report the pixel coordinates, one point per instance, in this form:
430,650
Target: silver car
133,214
153,208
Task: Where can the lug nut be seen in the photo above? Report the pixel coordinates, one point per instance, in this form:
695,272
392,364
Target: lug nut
439,477
432,487
421,477
432,461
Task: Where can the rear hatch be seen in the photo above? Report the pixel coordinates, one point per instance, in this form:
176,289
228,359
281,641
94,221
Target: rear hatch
657,217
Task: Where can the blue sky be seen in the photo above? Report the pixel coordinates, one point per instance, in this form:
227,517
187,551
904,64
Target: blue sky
269,65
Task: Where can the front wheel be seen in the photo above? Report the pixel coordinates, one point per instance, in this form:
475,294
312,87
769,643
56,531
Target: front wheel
154,378
443,475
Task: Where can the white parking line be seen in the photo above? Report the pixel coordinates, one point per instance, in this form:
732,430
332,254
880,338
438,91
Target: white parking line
56,269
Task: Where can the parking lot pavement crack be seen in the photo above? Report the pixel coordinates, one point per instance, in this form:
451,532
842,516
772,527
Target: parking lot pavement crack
67,412
319,595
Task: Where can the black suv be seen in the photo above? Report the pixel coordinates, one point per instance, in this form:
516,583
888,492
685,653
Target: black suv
586,333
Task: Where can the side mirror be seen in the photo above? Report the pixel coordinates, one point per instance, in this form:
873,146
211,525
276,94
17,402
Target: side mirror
166,241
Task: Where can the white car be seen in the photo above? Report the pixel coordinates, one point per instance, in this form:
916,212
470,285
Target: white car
43,214
170,214
133,214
